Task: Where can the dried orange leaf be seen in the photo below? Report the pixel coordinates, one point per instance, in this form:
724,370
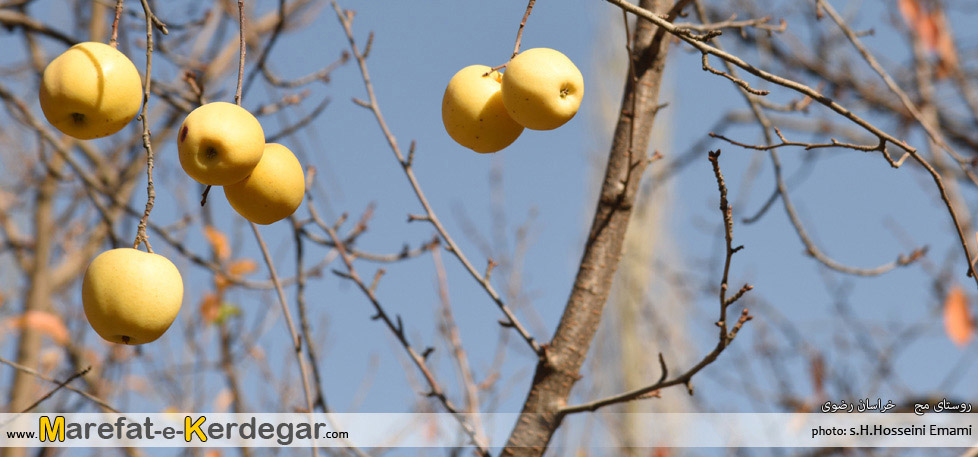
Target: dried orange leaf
957,318
218,242
221,282
928,29
41,321
242,267
945,49
928,25
910,10
210,305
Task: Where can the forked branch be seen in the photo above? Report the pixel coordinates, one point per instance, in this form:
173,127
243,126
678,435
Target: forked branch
727,332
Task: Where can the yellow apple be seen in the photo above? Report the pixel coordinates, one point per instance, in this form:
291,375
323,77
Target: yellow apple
473,111
273,190
131,296
542,89
90,91
220,143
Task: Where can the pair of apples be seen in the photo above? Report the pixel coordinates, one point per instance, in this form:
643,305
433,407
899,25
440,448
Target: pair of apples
222,144
92,91
486,111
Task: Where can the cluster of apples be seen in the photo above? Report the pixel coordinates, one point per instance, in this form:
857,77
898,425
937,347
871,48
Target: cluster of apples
222,144
486,111
92,91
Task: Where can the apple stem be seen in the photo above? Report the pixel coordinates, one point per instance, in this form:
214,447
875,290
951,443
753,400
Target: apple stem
519,38
203,197
495,69
141,235
114,42
242,48
519,33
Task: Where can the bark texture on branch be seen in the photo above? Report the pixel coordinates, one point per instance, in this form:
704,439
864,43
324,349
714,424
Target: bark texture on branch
557,372
37,298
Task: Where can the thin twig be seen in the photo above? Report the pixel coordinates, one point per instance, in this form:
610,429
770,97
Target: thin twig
203,195
322,74
454,337
114,42
794,85
141,236
727,332
781,189
288,130
11,19
759,23
738,81
266,51
396,326
820,98
286,101
519,33
61,385
242,50
430,216
932,132
296,341
35,373
727,212
833,143
303,319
